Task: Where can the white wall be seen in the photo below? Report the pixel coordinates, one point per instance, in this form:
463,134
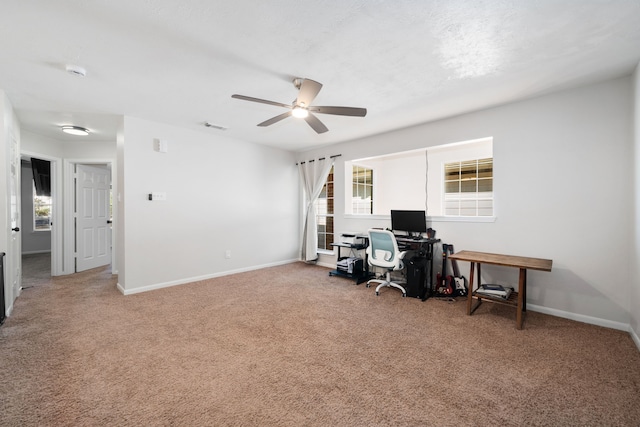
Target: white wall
400,189
562,183
4,194
49,147
635,250
222,195
9,129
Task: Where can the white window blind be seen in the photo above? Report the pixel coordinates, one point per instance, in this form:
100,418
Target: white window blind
362,190
468,188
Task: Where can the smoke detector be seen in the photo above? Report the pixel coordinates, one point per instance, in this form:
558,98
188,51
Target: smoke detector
76,70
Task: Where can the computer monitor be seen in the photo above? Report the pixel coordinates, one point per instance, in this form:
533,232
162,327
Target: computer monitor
409,221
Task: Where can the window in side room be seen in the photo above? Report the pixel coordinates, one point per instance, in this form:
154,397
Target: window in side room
468,188
41,212
362,190
324,214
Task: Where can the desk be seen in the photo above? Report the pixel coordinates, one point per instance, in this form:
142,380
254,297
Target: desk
517,299
359,275
420,267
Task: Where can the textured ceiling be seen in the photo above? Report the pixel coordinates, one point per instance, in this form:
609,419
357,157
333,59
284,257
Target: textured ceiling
407,62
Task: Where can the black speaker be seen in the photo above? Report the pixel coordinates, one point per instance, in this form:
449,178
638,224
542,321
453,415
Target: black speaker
416,284
2,313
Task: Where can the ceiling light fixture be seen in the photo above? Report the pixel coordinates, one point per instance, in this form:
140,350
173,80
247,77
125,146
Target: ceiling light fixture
299,112
75,130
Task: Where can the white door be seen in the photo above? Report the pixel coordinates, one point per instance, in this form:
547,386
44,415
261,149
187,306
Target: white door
14,257
93,228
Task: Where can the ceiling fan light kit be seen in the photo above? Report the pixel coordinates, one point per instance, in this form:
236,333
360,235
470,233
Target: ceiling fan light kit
299,112
301,108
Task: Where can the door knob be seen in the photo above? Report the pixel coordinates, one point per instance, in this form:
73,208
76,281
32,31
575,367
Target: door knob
15,229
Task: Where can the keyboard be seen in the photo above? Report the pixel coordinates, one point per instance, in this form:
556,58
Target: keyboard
405,237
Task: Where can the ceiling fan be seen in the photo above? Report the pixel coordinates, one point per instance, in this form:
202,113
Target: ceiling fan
301,107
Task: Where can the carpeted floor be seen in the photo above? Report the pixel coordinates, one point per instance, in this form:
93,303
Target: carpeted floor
291,346
36,270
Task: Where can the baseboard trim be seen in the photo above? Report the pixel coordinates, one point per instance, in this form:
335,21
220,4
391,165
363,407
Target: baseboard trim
198,278
580,317
9,311
634,337
36,252
326,264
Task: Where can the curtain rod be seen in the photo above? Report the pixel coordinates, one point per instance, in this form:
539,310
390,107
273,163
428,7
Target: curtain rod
321,158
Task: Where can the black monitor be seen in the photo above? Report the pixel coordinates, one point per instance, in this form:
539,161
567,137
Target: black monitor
409,221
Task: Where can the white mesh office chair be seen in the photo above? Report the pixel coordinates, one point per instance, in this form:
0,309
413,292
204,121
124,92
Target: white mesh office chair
383,252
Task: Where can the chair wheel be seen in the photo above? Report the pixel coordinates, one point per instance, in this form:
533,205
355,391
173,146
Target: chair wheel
404,295
368,285
377,293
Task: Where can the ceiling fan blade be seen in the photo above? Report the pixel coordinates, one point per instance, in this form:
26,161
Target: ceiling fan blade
316,124
308,91
340,111
262,101
275,119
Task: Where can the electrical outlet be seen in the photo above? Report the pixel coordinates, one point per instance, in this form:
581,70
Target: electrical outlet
158,196
227,254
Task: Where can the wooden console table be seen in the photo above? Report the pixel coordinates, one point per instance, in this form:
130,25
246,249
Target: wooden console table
517,299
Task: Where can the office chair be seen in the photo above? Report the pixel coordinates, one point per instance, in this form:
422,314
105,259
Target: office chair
383,252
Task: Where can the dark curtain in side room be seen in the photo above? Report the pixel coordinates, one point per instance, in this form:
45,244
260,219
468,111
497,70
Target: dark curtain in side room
41,176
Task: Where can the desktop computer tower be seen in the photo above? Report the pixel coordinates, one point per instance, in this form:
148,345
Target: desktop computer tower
416,286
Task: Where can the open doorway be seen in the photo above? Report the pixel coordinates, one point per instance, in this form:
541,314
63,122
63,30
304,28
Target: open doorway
37,182
53,251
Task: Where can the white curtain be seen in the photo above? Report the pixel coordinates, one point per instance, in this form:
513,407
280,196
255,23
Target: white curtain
313,175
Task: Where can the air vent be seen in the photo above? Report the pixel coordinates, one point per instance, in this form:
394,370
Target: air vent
211,125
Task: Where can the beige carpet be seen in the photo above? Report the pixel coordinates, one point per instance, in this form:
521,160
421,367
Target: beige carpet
291,346
36,270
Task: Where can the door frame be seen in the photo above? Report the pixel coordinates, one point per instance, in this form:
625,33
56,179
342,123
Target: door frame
56,210
69,237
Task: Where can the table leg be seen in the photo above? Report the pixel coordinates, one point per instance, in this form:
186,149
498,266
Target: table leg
522,291
470,290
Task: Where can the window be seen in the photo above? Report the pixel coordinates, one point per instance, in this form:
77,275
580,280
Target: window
41,212
362,190
324,214
468,188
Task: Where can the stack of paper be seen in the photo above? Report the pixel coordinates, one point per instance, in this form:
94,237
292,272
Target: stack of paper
498,291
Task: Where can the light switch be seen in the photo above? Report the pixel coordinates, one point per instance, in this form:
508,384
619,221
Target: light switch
158,196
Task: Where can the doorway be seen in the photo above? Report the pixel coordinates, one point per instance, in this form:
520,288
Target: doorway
87,222
38,219
93,216
62,248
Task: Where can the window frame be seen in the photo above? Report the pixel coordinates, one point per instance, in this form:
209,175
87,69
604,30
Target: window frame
476,174
357,170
